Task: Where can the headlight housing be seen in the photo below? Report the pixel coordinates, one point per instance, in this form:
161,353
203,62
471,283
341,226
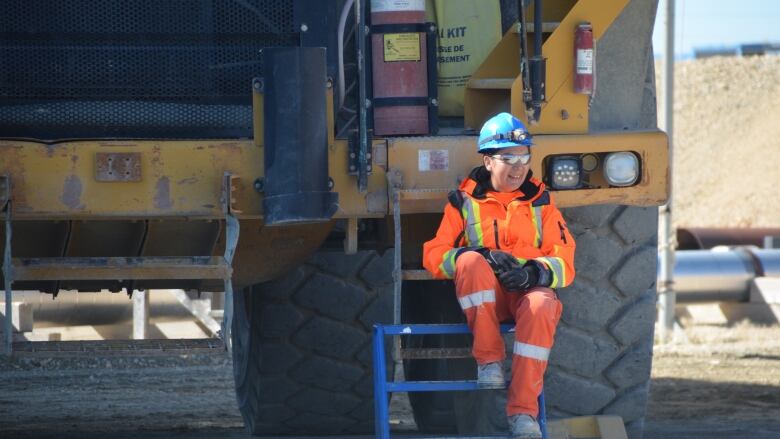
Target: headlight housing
621,168
565,172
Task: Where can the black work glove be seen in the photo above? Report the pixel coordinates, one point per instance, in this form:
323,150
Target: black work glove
518,279
501,262
531,274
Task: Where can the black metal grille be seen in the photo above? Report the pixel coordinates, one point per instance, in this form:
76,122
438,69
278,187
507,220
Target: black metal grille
134,68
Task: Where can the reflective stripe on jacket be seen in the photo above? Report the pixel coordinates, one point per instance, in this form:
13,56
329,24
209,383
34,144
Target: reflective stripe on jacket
528,227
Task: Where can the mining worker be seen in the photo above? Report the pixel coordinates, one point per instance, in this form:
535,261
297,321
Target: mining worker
507,247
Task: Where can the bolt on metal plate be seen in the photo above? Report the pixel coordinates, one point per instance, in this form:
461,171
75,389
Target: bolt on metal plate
118,166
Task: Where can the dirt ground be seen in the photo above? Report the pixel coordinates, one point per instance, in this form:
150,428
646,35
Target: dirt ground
725,141
76,394
722,382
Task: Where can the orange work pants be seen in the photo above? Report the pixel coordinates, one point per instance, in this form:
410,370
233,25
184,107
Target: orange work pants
536,314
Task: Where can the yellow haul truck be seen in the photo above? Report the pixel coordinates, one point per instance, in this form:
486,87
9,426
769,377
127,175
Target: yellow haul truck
210,145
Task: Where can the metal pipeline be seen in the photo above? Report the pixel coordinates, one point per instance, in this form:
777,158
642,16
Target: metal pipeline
721,276
696,238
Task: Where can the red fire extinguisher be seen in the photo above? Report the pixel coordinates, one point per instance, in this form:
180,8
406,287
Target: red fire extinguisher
584,64
399,66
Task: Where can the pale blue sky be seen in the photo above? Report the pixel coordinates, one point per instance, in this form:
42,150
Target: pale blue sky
718,23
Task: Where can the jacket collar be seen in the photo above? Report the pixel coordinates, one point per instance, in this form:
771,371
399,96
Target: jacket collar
478,185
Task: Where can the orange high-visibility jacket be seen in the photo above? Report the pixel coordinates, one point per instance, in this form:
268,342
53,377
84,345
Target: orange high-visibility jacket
528,227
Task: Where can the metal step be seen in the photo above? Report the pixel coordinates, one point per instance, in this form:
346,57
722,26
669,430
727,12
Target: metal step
506,83
121,268
436,386
435,353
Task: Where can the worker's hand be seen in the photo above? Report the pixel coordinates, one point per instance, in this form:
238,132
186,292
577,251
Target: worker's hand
501,262
533,273
518,279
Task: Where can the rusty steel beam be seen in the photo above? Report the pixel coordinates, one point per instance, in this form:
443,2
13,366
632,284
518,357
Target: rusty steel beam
696,238
119,268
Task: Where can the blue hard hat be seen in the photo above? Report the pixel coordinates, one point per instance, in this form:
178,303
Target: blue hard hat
503,131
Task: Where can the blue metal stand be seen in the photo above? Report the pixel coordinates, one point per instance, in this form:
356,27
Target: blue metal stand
382,387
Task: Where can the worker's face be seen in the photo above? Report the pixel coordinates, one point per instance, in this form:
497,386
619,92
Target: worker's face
507,177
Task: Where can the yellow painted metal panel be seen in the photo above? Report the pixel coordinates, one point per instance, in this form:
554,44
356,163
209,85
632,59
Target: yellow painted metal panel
178,179
502,63
565,112
184,178
352,203
428,188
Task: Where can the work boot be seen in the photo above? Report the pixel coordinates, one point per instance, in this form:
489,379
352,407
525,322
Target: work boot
491,376
524,427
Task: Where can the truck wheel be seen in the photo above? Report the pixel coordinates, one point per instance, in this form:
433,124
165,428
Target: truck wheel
600,363
302,345
601,360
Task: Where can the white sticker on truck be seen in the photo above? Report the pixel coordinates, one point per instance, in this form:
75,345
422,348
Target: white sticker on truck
585,61
433,160
397,5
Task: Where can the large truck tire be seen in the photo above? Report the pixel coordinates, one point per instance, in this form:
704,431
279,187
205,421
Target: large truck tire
601,360
302,345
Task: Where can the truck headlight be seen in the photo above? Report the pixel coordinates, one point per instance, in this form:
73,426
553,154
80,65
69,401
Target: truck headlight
621,168
565,172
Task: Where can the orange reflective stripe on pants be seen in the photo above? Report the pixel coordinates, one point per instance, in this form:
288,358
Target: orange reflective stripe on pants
473,275
536,314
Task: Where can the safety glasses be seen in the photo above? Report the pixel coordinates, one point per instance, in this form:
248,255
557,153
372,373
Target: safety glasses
513,159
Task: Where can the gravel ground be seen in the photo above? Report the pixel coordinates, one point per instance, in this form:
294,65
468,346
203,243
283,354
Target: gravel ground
723,382
726,146
77,394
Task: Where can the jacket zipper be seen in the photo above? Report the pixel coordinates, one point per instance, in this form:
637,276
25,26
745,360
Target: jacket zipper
495,233
563,235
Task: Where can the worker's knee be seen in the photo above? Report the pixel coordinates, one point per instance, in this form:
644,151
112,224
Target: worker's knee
540,304
469,260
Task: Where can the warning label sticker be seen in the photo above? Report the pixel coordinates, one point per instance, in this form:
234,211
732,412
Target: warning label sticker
397,5
585,61
402,47
433,160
